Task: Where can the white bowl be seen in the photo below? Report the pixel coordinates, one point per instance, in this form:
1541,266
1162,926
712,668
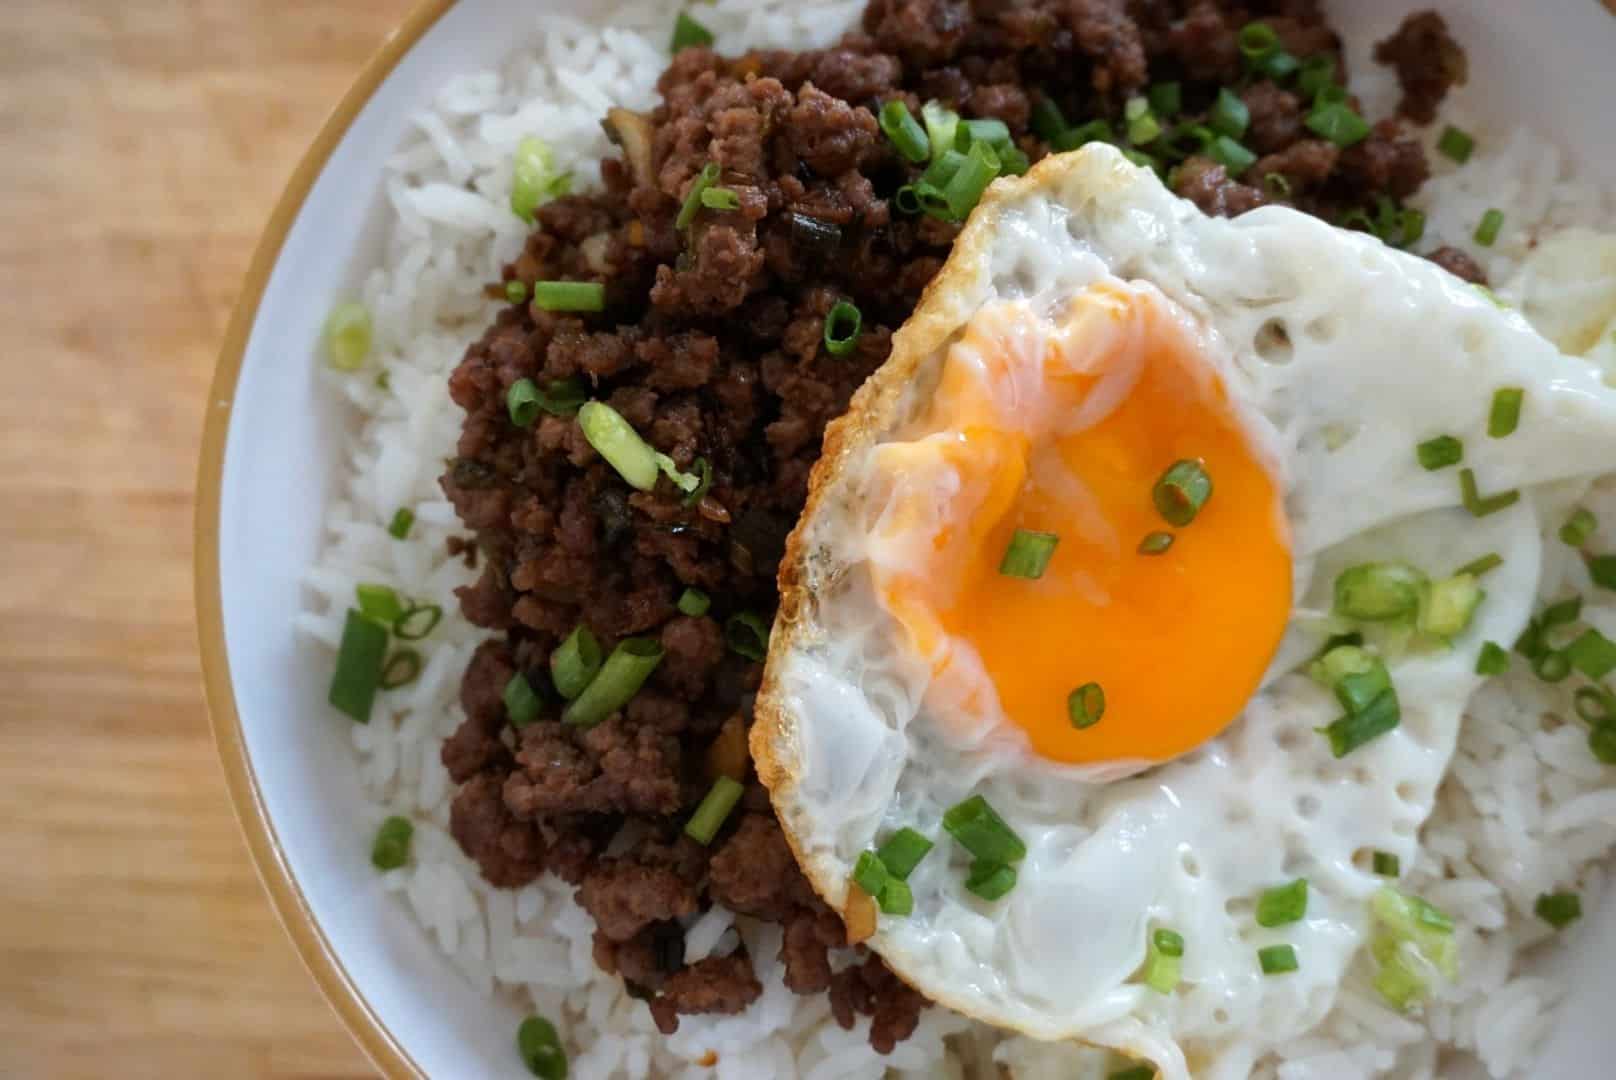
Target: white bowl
271,454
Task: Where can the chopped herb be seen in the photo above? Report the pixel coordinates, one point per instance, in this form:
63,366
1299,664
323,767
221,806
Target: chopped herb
391,848
1506,411
1559,910
1493,660
1440,452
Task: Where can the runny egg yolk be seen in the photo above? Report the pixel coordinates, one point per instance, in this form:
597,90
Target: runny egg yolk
1065,425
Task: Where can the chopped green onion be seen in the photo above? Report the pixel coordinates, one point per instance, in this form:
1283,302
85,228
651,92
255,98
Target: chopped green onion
1143,127
1561,612
1048,122
1531,644
540,1049
1277,184
990,880
1602,571
1337,662
575,662
1355,729
1413,942
942,126
1164,953
1602,742
347,336
704,482
1181,492
720,198
516,291
692,204
1379,591
522,704
1331,94
620,678
905,131
996,133
1357,688
384,380
685,482
1082,135
1480,566
870,873
903,851
616,440
1283,904
1487,231
359,666
964,189
941,170
1478,504
1493,660
748,635
1551,667
694,602
1277,959
1595,704
417,622
1317,72
907,199
522,402
982,832
1339,124
1141,159
1440,452
1138,1072
1013,161
534,180
1386,864
401,669
1593,654
1257,41
562,397
688,33
1578,527
380,602
1505,414
1278,65
1231,155
1449,606
1456,145
1085,705
1229,115
403,520
895,898
569,295
1028,554
842,328
391,848
714,809
1559,910
1166,99
1156,543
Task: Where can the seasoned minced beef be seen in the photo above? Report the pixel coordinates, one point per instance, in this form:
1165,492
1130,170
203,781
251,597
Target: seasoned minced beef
712,347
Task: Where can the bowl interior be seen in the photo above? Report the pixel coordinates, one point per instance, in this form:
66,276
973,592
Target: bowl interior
1536,64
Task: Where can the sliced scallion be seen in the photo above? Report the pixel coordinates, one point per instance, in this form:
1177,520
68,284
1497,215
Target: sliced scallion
1182,491
1593,654
896,898
1440,452
1595,704
616,440
522,402
1231,155
540,1048
905,132
1137,1072
714,809
347,336
693,602
1028,554
1385,864
1277,959
1480,566
990,880
870,873
1602,742
1449,606
964,189
1481,505
1156,543
1257,41
1505,414
403,521
1380,591
401,669
1283,904
534,180
942,125
1413,943
692,204
417,621
688,33
1082,135
569,295
562,397
391,848
747,635
903,851
980,830
1579,527
1493,659
516,291
1317,72
1602,571
1085,705
1551,666
720,198
1048,122
1164,954
1559,910
359,666
1487,230
1229,115
1142,125
843,325
704,482
522,704
1456,145
575,662
1166,99
620,678
380,602
1339,124
1355,729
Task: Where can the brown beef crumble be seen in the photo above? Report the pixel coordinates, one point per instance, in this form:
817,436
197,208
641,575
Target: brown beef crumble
711,346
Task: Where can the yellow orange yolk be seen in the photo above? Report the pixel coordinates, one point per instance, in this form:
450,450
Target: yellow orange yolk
1064,426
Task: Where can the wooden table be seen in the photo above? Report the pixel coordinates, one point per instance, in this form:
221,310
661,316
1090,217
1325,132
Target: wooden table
142,144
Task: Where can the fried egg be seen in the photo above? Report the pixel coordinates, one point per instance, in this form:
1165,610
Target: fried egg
1090,331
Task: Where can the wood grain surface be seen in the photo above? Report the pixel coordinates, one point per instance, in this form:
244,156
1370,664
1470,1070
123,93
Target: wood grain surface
142,145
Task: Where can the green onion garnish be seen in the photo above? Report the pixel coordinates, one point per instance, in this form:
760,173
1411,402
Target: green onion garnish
1338,123
1013,161
1164,953
1166,99
720,198
1156,543
1487,231
1578,527
692,204
996,133
1085,705
688,33
1505,414
1231,155
359,666
1413,943
903,851
1456,145
896,898
694,602
843,325
1551,666
704,482
748,635
1449,606
522,402
1480,566
1283,904
403,520
569,295
1277,184
616,440
1257,41
1082,135
1229,115
1602,570
1559,910
942,126
516,291
1561,612
380,602
575,662
620,678
347,336
1277,959
1048,121
964,189
1028,554
391,848
1602,742
1317,72
1594,704
1386,864
982,832
540,1049
401,669
1593,654
522,704
1493,659
1478,504
562,397
534,181
1138,1072
1278,65
714,809
990,880
1379,591
1181,492
905,131
417,621
1143,127
1355,729
1440,452
870,873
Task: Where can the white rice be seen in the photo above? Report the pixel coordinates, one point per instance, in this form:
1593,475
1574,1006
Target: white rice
1525,810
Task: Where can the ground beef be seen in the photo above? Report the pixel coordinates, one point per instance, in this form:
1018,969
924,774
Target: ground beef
711,345
1428,63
